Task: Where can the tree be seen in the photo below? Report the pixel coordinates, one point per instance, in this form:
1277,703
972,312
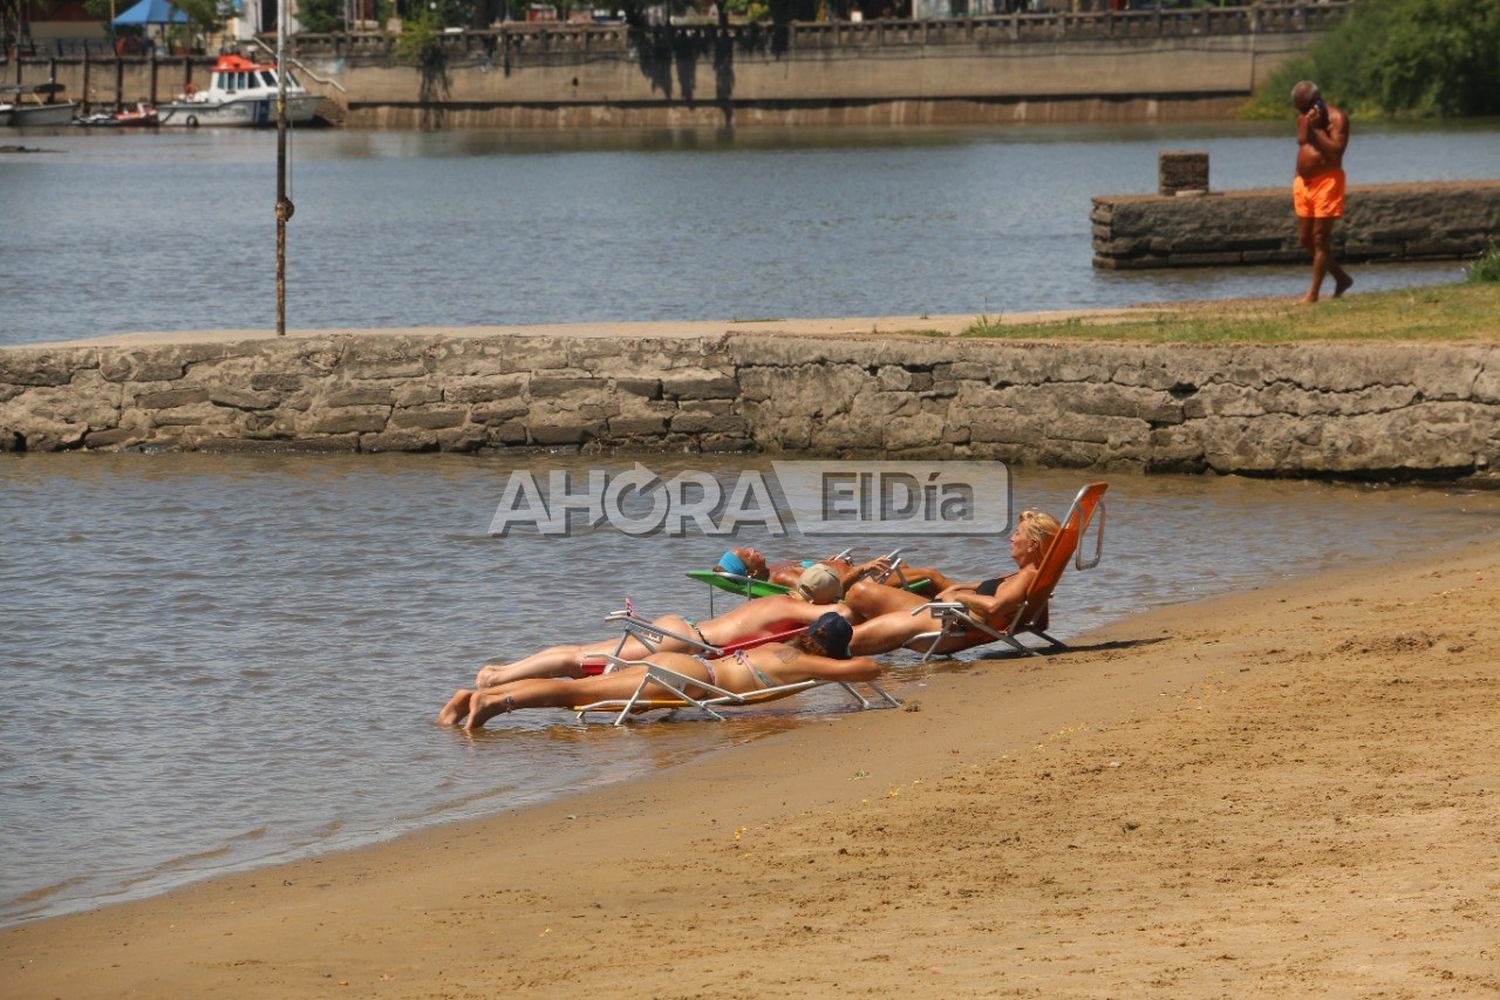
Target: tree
17,13
1425,58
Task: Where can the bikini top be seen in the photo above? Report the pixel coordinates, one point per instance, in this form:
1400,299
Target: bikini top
988,587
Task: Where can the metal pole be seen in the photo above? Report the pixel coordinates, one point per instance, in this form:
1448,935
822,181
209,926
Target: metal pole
284,207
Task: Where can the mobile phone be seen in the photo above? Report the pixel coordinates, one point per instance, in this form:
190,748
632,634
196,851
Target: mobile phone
1322,110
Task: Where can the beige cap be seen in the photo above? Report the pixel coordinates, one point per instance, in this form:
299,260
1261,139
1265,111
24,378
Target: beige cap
819,585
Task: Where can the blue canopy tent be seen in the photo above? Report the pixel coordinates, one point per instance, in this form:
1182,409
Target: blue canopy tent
150,12
145,14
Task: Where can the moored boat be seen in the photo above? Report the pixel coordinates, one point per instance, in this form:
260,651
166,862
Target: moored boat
240,93
26,105
142,114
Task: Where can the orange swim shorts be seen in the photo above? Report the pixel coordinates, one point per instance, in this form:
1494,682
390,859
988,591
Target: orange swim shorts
1320,197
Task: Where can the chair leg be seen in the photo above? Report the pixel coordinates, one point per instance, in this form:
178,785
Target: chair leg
1056,643
1019,646
863,701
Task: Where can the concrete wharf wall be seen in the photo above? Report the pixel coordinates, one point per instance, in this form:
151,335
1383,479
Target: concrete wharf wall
1392,222
1374,410
1031,67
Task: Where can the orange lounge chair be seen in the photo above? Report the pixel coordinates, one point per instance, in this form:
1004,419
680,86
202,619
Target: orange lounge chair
1031,616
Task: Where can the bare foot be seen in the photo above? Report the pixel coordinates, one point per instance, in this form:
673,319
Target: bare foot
491,674
458,706
483,708
1340,287
1307,300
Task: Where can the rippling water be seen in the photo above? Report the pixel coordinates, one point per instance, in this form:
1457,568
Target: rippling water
131,230
210,662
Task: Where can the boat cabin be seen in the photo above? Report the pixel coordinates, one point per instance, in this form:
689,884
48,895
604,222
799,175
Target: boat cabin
233,74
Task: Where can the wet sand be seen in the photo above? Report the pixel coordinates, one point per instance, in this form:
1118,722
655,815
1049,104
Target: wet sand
877,326
1289,791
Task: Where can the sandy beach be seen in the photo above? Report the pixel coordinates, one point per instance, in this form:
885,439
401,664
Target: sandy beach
1290,791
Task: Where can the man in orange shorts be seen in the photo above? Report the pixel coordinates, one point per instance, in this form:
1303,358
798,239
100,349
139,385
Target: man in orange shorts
1318,190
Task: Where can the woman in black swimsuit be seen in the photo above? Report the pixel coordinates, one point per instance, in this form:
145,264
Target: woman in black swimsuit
887,613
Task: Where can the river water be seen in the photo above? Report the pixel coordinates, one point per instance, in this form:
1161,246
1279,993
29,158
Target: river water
215,662
124,231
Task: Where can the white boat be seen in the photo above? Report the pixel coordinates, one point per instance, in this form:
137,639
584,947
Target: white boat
239,93
23,106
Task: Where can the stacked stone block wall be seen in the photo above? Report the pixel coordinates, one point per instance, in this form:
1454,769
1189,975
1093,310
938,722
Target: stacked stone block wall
1387,410
1393,222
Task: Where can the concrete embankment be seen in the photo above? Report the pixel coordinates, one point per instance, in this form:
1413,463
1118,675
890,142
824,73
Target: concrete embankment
1097,66
1382,410
1394,222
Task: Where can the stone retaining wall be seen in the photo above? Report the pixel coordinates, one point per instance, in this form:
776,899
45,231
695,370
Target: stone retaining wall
1097,66
1370,410
1381,222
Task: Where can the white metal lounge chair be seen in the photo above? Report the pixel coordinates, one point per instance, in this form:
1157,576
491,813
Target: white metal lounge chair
1031,616
673,687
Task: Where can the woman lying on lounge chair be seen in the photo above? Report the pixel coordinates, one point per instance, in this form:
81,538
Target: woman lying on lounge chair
748,562
885,613
822,653
815,592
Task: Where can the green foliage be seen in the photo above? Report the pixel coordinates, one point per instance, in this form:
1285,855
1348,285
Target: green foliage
203,14
1486,268
321,16
750,10
14,12
419,43
1422,58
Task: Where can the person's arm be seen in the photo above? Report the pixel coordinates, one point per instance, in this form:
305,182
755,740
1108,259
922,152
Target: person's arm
1331,141
956,591
937,580
795,663
1007,597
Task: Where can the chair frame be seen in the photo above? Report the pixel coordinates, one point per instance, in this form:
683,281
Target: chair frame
676,685
956,619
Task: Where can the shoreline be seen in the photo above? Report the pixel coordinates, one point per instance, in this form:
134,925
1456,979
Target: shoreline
826,326
547,895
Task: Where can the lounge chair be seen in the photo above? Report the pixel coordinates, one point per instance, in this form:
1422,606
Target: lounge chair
1031,617
749,587
673,687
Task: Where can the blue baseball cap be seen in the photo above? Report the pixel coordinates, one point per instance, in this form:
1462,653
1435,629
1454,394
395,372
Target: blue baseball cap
832,632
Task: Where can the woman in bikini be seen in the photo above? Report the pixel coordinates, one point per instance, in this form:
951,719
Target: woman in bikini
885,613
822,653
815,593
749,562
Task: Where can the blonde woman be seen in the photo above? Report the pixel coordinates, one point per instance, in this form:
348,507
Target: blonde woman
885,613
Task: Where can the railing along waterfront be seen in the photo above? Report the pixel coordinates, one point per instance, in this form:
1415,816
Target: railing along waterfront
1000,30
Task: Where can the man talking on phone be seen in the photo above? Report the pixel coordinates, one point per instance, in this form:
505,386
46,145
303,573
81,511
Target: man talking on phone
1318,190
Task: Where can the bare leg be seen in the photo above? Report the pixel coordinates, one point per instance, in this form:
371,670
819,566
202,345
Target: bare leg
1319,232
936,579
559,661
894,630
871,600
546,693
1307,235
458,706
1341,279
